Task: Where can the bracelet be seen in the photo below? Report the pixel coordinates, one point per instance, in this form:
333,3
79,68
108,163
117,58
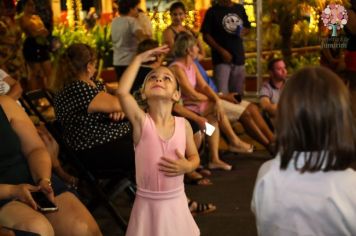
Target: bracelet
45,179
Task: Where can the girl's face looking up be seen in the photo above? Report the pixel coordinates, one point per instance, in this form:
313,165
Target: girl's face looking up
161,83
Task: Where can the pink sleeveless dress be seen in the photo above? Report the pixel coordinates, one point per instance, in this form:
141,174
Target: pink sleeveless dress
160,207
197,107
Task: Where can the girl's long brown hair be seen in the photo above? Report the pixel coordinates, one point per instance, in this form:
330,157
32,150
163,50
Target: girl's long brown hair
314,116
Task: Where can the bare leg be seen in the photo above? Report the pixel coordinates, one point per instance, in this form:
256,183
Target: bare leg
20,216
34,74
251,126
213,141
53,149
198,139
194,176
236,143
47,71
260,122
72,218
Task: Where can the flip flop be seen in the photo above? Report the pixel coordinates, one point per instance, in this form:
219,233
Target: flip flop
204,172
202,181
200,208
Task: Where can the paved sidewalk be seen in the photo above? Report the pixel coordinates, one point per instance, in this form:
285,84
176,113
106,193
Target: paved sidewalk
231,192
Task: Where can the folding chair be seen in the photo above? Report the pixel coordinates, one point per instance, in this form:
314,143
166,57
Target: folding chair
104,185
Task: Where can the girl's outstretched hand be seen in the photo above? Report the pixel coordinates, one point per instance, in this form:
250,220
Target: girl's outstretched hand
151,55
175,167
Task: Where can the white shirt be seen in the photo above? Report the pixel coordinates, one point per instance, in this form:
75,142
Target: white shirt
123,35
4,87
286,202
145,23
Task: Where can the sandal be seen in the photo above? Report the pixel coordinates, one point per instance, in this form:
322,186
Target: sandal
200,208
204,172
195,178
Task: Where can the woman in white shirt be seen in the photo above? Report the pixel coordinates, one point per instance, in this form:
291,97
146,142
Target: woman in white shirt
309,188
126,33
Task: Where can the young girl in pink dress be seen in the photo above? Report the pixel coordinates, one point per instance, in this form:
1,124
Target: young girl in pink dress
164,151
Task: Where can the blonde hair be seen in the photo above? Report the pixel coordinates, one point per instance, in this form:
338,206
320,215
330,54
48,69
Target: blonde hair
182,43
153,70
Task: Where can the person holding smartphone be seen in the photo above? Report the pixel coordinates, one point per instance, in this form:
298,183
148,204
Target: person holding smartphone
25,167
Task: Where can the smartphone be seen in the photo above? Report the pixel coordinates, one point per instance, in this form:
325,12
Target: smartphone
209,129
43,204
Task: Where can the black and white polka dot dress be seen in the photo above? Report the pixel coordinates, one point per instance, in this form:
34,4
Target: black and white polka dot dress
83,130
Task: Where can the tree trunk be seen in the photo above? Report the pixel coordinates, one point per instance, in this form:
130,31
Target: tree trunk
286,22
286,31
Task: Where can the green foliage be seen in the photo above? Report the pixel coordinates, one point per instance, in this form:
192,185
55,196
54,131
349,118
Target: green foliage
297,61
102,37
68,36
303,37
300,60
99,37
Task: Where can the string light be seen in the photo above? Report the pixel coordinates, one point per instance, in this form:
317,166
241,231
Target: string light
74,9
161,20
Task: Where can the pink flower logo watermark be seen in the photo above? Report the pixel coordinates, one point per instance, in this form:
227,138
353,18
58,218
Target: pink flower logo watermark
334,17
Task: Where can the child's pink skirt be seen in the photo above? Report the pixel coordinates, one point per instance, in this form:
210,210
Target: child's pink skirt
161,214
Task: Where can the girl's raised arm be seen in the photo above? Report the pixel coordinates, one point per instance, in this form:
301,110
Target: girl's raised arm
129,105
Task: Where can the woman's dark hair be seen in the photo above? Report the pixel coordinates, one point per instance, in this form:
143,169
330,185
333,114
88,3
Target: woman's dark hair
270,65
126,5
71,64
177,5
45,12
20,6
146,44
314,117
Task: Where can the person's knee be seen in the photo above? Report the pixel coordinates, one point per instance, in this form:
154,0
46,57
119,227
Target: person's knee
37,225
82,227
246,115
252,107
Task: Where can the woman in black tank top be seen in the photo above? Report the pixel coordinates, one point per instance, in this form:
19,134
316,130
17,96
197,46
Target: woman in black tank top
25,167
178,14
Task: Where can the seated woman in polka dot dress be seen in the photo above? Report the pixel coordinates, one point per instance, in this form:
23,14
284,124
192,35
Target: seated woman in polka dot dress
91,117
